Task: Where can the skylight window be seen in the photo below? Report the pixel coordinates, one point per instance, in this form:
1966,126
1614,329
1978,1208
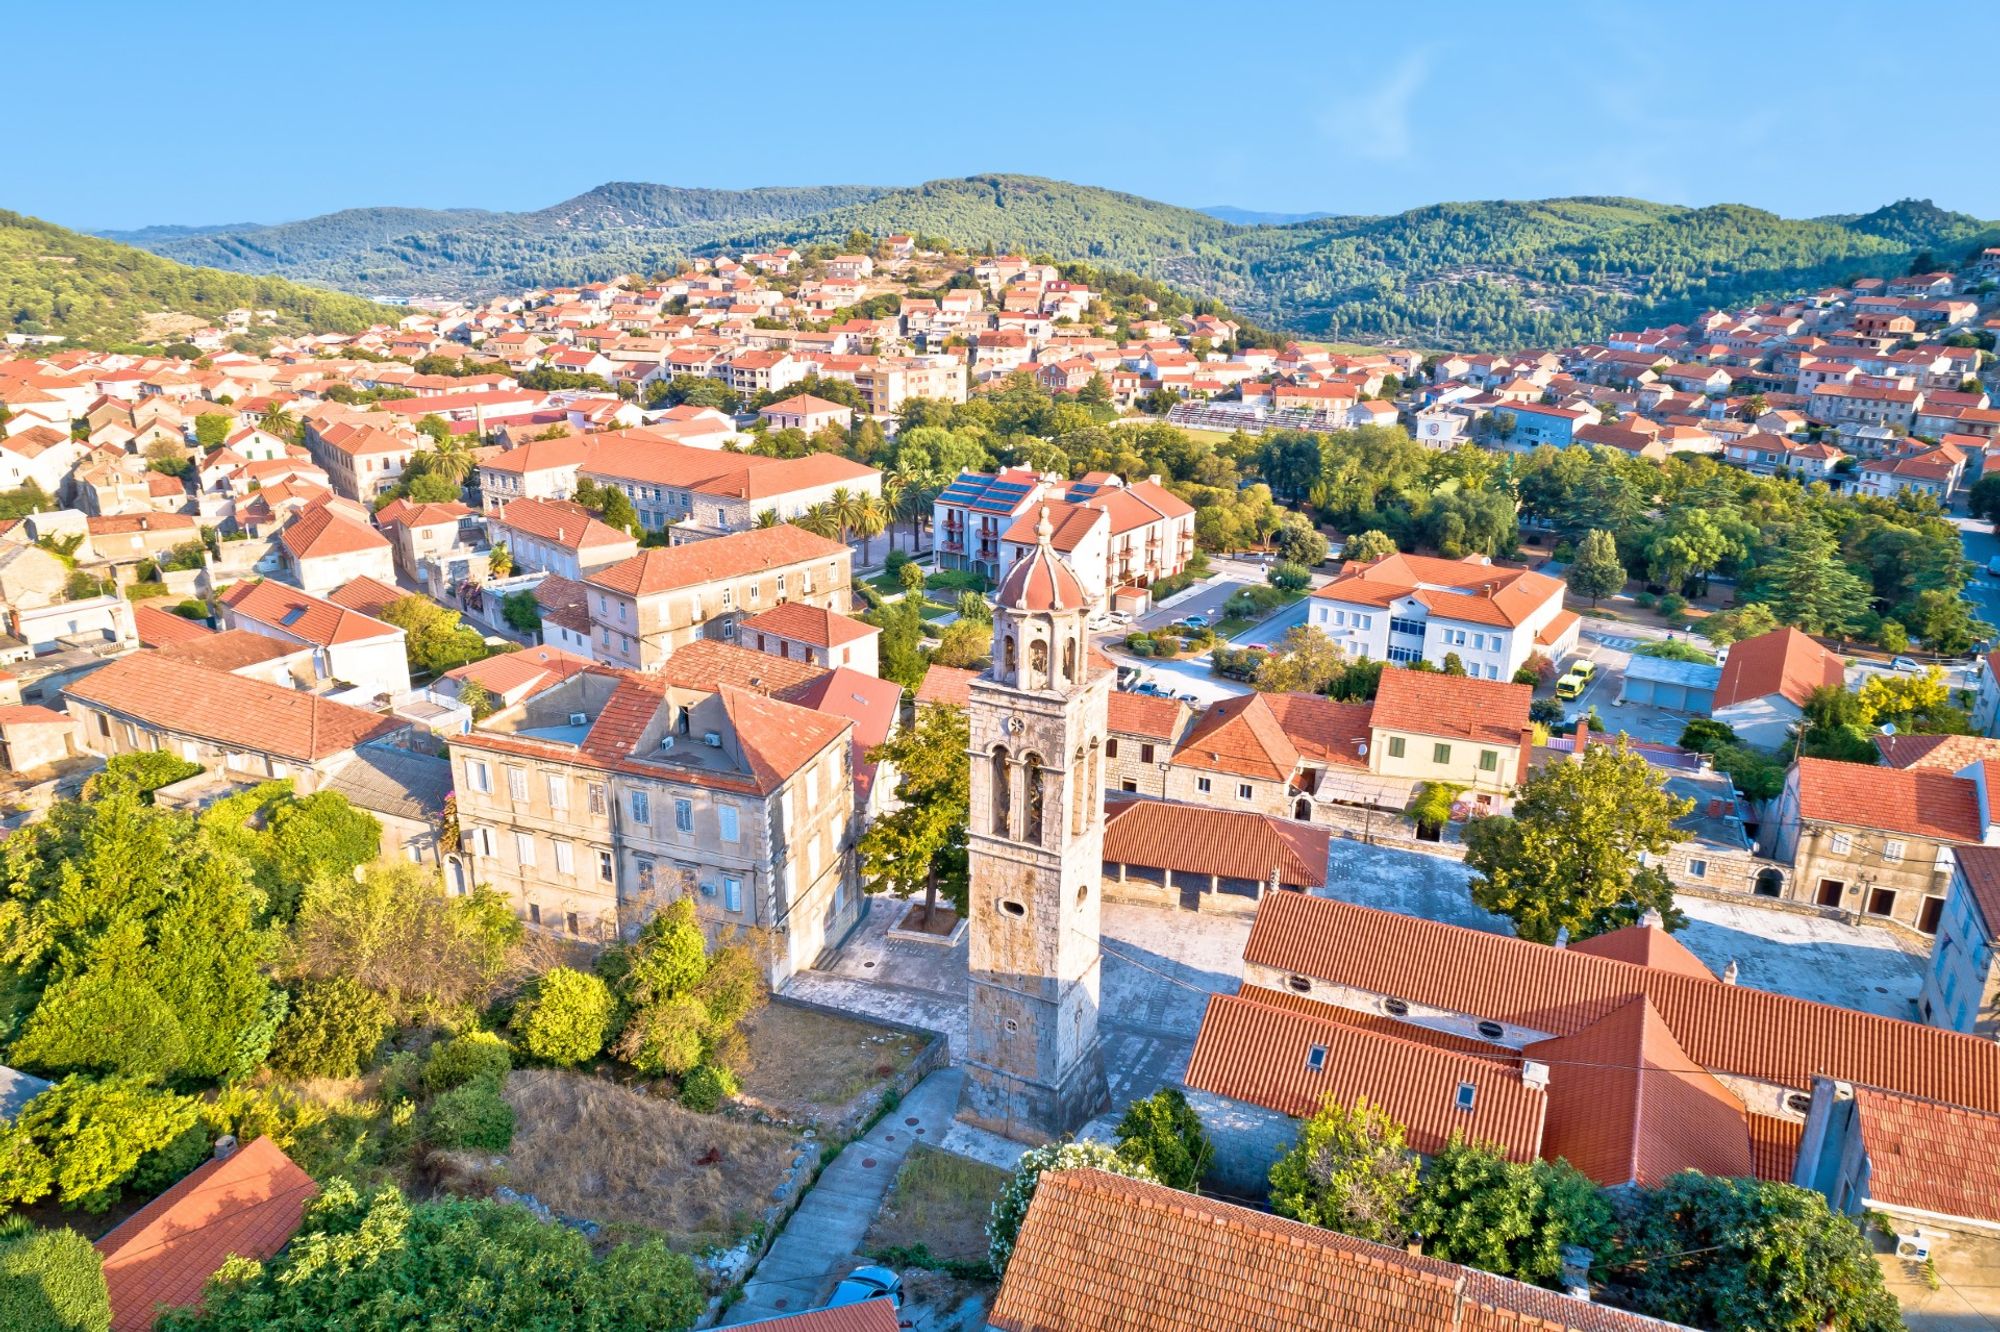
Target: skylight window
1316,1058
1467,1094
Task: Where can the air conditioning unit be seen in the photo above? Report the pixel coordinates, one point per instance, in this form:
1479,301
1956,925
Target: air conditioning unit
579,719
666,743
713,739
1916,1247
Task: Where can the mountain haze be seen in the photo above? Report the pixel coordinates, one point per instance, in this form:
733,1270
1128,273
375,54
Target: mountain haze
1476,274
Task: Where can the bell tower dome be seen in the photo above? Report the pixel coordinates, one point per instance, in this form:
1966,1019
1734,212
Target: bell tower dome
1036,848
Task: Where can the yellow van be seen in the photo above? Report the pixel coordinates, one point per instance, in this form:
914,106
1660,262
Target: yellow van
1570,686
1583,668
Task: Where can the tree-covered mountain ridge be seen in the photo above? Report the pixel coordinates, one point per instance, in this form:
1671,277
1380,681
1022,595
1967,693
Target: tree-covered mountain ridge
99,292
1494,273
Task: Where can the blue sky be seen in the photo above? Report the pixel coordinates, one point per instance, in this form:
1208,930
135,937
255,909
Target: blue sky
223,112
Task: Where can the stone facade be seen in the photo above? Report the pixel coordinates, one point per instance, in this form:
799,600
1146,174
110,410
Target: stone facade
1034,1065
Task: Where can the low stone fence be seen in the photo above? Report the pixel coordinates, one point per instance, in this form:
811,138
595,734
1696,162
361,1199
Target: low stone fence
1382,829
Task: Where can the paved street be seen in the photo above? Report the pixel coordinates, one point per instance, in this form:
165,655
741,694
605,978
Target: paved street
1981,545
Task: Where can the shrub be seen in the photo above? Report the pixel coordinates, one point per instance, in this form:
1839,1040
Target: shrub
1644,601
896,560
1139,646
164,1166
706,1087
1546,711
145,773
1003,1224
1164,1134
1526,675
1672,605
473,1117
1289,577
52,1281
464,1059
1351,1172
567,1019
332,1030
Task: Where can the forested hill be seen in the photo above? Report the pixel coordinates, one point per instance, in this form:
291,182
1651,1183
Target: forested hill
100,292
1488,274
407,253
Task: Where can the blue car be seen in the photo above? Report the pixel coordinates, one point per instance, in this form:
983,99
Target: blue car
868,1283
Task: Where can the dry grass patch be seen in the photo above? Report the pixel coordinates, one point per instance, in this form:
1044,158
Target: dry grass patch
939,1202
807,1065
593,1149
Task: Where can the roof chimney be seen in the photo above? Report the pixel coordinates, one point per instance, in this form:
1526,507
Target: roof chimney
225,1147
1729,973
1534,1075
1651,920
1582,737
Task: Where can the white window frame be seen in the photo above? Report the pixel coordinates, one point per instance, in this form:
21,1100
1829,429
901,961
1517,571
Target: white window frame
565,857
727,824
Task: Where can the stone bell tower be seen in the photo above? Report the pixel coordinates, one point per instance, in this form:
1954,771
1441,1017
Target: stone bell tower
1036,841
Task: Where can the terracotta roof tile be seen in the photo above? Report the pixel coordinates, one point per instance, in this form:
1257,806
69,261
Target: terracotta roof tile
157,627
1950,753
1724,1028
666,568
249,1204
1233,844
1783,662
1146,714
1645,946
230,710
947,685
1102,1253
867,1316
1930,1156
370,596
1433,703
522,674
320,529
1922,802
808,624
1774,1146
709,662
1627,1105
559,522
1240,736
230,650
1249,1051
301,615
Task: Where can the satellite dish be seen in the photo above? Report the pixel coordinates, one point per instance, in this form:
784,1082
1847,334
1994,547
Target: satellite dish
1888,728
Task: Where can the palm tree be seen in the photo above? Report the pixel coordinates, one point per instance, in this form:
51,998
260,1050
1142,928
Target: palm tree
451,459
281,423
871,515
845,506
892,500
767,518
819,520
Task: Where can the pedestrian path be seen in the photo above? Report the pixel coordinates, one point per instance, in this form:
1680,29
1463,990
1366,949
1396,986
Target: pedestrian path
820,1243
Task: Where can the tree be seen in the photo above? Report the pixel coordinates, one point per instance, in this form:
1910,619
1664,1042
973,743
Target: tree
1570,855
52,1281
1742,1254
477,699
1597,572
964,644
684,999
1431,806
922,842
1163,1134
1289,461
522,612
1300,542
80,1140
1919,703
617,511
1289,577
332,1030
1307,661
1010,1209
1350,1171
499,560
1753,619
1474,1206
1809,586
1943,619
397,933
566,1018
463,1265
1983,500
435,639
1369,546
871,518
211,430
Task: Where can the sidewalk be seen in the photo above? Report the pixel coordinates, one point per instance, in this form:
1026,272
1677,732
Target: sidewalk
818,1245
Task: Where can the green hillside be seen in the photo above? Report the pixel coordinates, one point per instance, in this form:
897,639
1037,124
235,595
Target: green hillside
1483,274
407,253
97,291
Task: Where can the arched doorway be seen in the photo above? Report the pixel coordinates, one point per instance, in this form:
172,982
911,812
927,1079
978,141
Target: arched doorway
1302,809
1770,883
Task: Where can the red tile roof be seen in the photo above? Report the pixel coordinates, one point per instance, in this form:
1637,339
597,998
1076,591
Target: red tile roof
1930,1156
808,624
1250,1051
1774,1146
1783,662
1922,802
1645,946
1042,580
1102,1253
867,1316
1148,715
1465,590
1980,865
1627,1105
370,596
230,710
1724,1028
320,530
248,1204
158,627
1431,703
559,522
301,615
1233,844
708,662
522,674
947,685
231,650
666,568
1950,753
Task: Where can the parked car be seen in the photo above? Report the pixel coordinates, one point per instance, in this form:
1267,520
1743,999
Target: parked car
1193,621
868,1283
1904,664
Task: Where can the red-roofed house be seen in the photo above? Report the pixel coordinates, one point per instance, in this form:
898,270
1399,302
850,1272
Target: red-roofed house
247,1203
595,802
347,645
1766,681
813,634
1879,841
558,536
324,546
1961,989
805,412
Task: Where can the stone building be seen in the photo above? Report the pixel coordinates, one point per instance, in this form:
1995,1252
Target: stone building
1034,1067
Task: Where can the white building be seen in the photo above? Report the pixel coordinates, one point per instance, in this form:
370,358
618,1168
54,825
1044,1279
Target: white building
1407,608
